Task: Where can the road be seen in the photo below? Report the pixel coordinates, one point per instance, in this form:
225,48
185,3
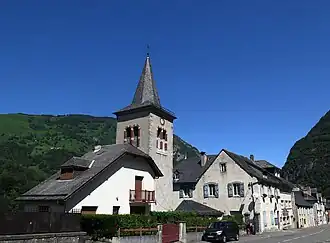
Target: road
318,234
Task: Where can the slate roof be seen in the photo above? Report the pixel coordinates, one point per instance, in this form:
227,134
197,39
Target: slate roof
54,189
146,94
265,164
200,209
77,162
190,170
300,200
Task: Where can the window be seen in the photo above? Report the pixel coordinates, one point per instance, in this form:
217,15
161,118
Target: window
43,209
115,210
223,167
66,174
161,139
132,135
186,192
176,176
211,190
236,189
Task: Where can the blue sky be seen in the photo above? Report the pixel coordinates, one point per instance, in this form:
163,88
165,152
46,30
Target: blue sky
249,76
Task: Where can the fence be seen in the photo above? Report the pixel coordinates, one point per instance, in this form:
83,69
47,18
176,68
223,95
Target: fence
35,222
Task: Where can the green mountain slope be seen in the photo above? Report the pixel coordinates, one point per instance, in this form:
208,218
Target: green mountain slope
32,147
308,162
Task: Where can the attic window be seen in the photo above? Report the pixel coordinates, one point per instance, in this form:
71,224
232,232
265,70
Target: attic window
175,176
66,174
223,167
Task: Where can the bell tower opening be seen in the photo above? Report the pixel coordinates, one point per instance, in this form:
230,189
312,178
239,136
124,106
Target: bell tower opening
149,126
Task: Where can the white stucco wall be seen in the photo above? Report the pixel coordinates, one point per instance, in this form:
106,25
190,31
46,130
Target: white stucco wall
115,190
286,204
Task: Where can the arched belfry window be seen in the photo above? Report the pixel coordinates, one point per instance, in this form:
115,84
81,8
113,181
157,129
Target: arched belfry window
132,135
161,143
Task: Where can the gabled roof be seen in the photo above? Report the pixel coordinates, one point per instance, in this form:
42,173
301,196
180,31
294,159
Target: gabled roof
265,164
261,174
146,95
54,189
198,208
300,200
190,170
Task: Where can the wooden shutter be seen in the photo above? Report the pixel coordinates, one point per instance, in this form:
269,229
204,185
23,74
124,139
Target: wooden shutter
241,189
216,191
230,190
181,193
206,191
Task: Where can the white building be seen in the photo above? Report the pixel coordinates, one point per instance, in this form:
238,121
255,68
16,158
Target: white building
132,176
234,184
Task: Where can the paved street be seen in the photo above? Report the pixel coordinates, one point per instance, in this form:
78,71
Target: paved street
310,235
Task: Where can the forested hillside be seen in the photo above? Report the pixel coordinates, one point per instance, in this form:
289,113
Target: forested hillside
32,147
308,162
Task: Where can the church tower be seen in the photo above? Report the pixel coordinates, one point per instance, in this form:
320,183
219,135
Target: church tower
149,126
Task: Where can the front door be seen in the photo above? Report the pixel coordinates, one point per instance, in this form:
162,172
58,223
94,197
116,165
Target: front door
138,188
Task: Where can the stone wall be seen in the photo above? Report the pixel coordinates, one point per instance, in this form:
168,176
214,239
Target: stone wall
136,239
72,237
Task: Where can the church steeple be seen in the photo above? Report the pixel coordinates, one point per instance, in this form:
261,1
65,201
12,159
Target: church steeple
146,91
146,96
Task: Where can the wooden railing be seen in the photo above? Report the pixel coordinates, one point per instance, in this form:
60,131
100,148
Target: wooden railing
142,196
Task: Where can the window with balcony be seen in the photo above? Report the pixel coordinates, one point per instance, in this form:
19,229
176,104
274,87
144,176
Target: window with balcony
132,135
161,143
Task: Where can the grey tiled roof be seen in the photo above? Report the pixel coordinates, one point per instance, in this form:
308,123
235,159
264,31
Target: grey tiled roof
146,94
146,89
190,170
54,189
265,164
77,162
200,209
300,200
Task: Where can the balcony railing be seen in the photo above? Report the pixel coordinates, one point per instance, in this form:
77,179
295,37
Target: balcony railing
142,196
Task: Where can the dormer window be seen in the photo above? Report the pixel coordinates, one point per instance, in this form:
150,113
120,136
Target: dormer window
66,174
132,135
161,142
175,176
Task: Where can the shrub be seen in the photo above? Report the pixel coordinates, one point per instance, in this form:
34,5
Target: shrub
106,226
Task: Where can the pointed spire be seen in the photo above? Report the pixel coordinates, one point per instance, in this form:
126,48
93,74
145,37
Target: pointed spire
146,91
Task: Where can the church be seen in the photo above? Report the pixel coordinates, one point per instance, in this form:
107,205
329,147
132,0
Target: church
132,176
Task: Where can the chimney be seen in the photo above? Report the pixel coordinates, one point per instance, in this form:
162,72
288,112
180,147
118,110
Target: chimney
203,158
252,157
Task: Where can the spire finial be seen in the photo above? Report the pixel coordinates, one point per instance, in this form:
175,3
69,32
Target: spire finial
148,50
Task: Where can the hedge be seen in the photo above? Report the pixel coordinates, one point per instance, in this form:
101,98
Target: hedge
106,226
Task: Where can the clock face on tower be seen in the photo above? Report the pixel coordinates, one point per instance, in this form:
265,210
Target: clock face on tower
162,121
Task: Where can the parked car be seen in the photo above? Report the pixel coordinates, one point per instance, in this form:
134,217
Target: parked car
221,232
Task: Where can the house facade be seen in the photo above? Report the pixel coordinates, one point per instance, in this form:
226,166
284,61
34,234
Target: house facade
89,184
234,184
132,176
